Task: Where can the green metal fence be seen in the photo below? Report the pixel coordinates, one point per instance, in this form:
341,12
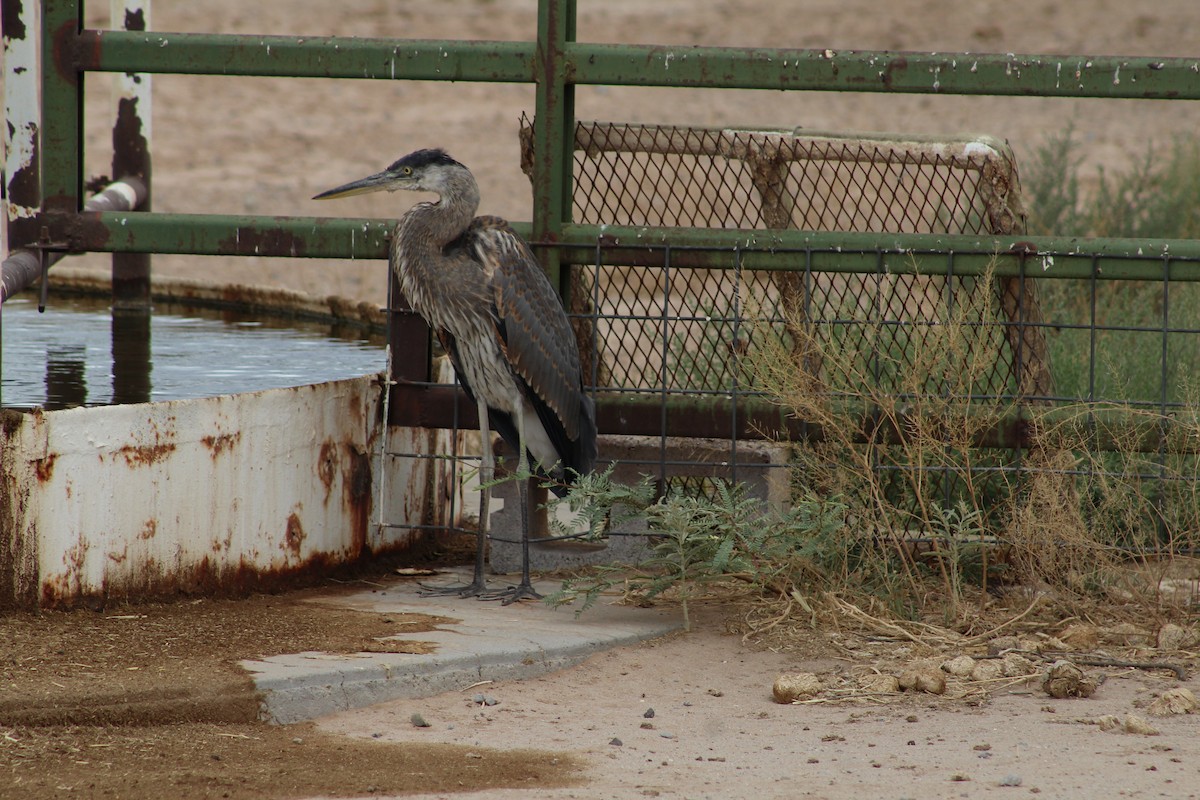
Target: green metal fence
556,64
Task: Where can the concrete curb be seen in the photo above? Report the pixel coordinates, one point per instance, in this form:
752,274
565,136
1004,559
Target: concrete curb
489,642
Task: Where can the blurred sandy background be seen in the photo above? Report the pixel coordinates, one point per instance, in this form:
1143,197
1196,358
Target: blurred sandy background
266,145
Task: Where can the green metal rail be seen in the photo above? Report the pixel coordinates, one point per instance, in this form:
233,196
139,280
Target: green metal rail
340,237
556,63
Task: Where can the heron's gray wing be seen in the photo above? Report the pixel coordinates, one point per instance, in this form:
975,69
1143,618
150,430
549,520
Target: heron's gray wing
536,333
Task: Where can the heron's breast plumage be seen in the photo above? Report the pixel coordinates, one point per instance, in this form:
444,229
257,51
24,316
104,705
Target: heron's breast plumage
456,298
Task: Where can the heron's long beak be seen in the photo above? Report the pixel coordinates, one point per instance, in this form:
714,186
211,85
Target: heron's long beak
372,183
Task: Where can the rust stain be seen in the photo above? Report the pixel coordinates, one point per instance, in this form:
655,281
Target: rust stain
356,492
294,537
144,455
210,577
221,442
66,41
327,465
135,20
45,467
897,64
13,21
19,540
132,152
149,530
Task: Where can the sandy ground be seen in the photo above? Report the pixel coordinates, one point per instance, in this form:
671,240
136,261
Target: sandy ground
234,145
715,731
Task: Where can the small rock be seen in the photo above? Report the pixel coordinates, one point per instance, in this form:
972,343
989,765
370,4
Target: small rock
998,645
1174,701
1126,633
297,740
988,670
1010,780
796,686
615,742
647,726
1176,637
927,680
418,721
1016,665
1135,724
875,683
666,735
959,667
1064,679
1080,636
716,692
649,713
474,755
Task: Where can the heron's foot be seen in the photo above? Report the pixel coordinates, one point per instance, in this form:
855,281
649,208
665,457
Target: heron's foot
476,588
513,594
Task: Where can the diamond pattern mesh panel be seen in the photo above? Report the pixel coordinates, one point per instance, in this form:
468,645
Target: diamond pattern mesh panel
679,329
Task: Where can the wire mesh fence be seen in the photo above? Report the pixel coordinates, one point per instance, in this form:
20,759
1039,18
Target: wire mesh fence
933,388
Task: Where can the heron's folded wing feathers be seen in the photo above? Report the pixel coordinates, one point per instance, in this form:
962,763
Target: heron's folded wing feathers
537,335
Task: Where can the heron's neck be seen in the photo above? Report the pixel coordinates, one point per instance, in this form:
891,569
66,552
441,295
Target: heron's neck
435,225
423,233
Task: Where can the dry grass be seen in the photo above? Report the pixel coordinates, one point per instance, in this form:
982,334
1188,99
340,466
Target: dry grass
1100,509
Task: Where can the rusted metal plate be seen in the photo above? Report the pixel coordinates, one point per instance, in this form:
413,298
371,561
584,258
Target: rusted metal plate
223,494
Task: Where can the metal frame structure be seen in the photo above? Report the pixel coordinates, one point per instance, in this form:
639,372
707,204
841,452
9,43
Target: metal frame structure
51,187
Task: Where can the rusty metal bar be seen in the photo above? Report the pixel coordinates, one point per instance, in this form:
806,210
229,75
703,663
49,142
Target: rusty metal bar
24,266
22,165
553,133
306,56
342,237
696,416
22,112
645,65
885,71
61,145
132,99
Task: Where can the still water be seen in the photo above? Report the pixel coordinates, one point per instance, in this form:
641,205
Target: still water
77,353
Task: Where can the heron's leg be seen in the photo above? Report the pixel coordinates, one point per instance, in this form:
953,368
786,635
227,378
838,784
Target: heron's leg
487,473
525,588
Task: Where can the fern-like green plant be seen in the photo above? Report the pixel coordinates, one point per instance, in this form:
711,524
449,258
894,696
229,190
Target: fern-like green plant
696,541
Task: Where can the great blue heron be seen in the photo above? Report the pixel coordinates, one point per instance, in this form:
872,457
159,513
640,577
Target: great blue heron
479,287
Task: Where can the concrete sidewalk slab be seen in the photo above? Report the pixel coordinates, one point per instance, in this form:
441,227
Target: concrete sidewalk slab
489,642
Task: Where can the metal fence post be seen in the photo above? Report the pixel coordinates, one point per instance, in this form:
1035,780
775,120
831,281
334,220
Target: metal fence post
131,157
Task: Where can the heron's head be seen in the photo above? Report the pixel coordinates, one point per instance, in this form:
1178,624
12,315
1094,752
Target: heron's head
423,170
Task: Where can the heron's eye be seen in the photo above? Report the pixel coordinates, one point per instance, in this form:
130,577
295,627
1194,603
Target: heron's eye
406,171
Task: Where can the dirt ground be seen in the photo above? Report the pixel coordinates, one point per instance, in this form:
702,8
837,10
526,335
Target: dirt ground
147,701
246,145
